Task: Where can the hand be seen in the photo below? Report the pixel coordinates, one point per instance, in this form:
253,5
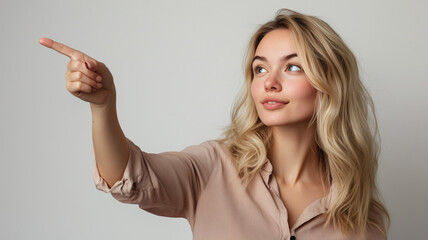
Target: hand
87,78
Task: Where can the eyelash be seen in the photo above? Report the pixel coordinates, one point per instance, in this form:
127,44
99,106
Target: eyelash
257,68
291,65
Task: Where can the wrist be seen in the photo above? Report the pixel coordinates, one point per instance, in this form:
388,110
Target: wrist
104,108
107,106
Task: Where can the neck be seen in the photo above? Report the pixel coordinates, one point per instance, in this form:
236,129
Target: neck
293,154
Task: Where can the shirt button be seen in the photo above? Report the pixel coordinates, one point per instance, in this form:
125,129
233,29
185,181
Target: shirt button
292,238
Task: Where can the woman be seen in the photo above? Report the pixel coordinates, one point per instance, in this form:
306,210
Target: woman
297,162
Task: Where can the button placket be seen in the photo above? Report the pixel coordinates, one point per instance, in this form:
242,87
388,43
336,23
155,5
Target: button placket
283,216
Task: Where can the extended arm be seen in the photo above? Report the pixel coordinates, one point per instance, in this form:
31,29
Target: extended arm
92,82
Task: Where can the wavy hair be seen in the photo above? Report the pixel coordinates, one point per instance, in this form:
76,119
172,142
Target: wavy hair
347,141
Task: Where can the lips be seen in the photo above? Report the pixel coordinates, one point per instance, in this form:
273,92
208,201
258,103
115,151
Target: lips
270,103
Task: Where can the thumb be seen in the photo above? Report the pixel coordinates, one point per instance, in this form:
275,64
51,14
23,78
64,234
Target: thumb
95,66
91,64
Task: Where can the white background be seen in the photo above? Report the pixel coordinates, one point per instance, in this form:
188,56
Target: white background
177,68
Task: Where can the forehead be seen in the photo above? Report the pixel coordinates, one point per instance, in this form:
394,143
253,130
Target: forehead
278,42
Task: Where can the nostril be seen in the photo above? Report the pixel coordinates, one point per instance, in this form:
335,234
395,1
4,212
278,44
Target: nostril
272,87
272,84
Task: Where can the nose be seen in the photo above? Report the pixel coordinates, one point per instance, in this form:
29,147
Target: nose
272,84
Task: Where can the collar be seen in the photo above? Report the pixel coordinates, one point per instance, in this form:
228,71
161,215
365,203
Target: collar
314,209
266,174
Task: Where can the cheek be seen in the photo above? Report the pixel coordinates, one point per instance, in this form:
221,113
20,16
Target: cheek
302,90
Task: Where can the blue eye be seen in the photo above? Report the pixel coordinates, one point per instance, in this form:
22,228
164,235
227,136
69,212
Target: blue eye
294,68
259,69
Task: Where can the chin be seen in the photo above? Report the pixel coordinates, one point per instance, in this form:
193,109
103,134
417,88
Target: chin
272,122
275,122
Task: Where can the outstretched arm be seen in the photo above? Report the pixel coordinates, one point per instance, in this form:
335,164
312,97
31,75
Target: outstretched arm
92,82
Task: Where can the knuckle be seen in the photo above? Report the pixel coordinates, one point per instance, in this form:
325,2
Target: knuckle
72,88
76,64
79,85
76,54
78,75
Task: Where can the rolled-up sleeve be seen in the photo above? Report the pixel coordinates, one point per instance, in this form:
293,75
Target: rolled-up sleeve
166,184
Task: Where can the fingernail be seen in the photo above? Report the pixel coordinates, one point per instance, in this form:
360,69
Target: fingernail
99,85
88,65
99,78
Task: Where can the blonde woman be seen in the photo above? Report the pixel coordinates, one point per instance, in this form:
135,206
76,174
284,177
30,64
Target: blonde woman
298,161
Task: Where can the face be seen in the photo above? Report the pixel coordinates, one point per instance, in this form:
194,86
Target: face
280,88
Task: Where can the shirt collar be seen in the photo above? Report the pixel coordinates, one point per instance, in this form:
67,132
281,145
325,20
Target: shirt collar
266,174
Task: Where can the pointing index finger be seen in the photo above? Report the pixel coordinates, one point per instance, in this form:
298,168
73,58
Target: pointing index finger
61,48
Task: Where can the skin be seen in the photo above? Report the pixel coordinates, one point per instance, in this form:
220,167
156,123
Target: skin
294,164
292,155
87,78
91,81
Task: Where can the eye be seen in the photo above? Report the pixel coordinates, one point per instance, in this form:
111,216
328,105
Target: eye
259,69
293,68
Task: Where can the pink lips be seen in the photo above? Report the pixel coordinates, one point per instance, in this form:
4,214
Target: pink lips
273,103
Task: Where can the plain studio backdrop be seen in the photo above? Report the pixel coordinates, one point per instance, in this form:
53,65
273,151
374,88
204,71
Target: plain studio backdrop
177,67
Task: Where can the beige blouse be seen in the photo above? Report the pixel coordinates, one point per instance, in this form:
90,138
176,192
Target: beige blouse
200,184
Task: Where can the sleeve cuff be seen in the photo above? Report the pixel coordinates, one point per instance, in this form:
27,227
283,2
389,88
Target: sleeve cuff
124,186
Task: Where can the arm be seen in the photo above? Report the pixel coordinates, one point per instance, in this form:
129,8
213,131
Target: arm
91,81
111,148
165,184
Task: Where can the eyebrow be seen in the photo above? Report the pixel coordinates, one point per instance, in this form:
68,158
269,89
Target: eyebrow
285,58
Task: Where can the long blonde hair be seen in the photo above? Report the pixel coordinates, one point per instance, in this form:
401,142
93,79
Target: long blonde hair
347,142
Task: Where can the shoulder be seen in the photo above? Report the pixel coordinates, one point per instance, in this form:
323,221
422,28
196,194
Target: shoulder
211,148
213,153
